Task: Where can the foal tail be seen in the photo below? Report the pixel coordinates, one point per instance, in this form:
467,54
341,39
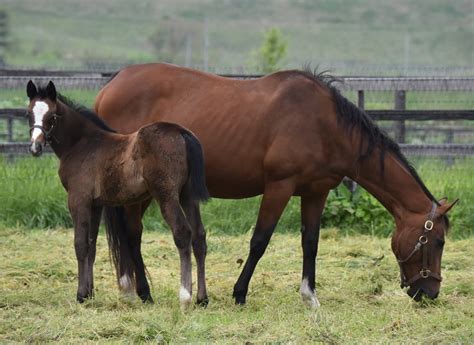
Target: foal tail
116,229
197,176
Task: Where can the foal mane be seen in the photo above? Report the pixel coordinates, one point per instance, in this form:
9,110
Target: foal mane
354,118
85,112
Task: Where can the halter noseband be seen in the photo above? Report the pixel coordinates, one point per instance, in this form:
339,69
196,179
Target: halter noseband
48,133
425,272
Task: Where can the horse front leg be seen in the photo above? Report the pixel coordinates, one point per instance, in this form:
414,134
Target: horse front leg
311,209
81,213
275,197
94,230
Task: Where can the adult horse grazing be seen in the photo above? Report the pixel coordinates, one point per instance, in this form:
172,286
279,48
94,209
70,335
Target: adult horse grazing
289,133
99,167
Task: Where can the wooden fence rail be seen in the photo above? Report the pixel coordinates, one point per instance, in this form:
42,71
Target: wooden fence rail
10,79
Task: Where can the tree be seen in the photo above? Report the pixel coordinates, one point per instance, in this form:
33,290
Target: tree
271,54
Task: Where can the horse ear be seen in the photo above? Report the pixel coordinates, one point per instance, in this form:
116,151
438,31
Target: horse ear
445,207
31,90
443,200
51,91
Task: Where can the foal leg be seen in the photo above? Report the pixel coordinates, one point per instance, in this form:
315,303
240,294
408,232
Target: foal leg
191,208
275,198
174,216
82,219
94,230
134,217
311,210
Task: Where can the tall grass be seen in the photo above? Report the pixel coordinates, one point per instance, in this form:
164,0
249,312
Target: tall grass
31,196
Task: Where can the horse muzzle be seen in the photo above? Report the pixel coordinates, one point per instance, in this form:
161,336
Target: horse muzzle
428,289
36,149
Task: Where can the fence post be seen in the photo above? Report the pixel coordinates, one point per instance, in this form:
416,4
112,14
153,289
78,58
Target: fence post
361,99
10,129
400,104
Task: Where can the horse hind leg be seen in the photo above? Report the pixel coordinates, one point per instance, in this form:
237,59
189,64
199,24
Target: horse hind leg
174,216
311,210
193,214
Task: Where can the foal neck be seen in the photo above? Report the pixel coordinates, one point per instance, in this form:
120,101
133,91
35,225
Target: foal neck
72,128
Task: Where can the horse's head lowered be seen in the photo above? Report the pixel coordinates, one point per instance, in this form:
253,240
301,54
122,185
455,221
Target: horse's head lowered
42,115
418,246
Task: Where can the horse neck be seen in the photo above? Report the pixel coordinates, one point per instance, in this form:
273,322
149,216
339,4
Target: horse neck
72,127
396,188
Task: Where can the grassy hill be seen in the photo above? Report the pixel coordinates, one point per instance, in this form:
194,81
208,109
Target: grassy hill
345,35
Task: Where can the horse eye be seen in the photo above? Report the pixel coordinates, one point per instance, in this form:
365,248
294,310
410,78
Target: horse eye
440,243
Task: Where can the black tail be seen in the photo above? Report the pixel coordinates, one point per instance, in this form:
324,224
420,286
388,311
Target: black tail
197,176
119,251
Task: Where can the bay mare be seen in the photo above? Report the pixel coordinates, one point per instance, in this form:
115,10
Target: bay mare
287,134
99,167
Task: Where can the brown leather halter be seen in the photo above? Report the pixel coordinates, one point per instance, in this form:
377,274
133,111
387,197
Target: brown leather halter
48,133
425,272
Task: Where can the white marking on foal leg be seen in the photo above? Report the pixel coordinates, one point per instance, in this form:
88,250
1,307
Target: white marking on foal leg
308,296
126,285
184,297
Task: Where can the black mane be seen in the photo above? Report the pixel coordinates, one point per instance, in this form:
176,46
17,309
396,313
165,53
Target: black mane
85,112
353,118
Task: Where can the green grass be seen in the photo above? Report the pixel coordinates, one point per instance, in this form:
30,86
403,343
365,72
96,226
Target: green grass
361,301
323,31
32,197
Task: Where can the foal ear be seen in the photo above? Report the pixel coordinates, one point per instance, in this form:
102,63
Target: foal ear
445,207
31,90
51,91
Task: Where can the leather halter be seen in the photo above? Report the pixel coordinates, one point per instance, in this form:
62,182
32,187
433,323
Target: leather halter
425,272
48,133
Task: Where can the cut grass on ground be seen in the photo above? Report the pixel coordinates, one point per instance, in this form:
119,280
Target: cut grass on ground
357,287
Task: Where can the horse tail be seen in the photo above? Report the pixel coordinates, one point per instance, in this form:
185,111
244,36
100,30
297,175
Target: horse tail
116,229
197,175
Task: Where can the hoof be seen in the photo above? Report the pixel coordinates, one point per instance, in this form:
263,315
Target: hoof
82,298
184,298
204,302
239,299
147,299
308,296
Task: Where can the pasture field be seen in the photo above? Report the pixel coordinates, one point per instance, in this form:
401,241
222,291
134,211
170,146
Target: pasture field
427,33
31,196
357,284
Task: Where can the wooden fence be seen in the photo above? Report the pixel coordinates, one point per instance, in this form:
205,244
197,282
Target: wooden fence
399,86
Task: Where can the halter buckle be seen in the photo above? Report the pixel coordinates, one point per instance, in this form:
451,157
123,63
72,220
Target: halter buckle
423,239
425,273
429,225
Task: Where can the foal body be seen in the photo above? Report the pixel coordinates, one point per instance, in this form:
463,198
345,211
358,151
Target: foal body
100,168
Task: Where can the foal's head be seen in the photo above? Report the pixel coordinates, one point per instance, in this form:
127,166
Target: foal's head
42,115
418,246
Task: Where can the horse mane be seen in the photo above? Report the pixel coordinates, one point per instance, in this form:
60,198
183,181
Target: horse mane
85,112
354,118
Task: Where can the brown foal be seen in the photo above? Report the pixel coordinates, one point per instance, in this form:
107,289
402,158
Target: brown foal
99,167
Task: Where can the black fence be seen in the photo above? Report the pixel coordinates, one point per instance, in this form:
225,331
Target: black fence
448,123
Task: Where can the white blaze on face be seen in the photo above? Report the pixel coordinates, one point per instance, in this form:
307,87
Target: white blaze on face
40,109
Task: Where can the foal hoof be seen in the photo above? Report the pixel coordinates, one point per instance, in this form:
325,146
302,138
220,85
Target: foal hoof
204,302
147,299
